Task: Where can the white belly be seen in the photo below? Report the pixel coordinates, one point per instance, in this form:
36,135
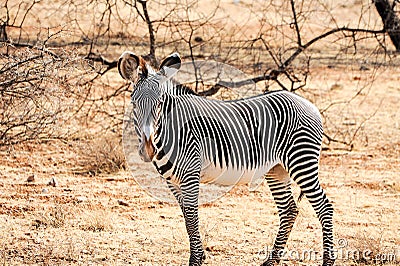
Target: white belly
232,176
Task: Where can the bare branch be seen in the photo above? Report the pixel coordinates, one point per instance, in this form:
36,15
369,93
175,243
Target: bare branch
152,39
296,24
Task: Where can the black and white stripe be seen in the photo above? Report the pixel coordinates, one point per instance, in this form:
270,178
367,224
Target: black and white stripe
227,142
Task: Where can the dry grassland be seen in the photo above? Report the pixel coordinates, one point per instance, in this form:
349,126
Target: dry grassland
95,218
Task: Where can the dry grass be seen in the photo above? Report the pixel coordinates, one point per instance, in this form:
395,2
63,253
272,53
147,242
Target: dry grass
54,217
96,221
93,228
368,247
101,155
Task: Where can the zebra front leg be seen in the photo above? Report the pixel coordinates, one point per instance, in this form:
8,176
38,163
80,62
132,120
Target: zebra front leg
187,197
287,210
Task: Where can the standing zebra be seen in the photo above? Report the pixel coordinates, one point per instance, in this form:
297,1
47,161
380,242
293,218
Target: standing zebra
192,140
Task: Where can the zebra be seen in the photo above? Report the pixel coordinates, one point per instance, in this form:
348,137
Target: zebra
192,140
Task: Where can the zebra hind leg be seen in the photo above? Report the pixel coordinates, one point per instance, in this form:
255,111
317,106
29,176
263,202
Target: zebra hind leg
324,210
305,173
279,185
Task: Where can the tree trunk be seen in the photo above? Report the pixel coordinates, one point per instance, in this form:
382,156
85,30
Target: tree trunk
3,33
390,20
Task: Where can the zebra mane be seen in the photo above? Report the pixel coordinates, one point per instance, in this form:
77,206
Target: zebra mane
182,89
172,87
175,88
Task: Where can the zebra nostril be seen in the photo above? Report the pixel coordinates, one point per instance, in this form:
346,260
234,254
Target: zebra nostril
144,155
141,154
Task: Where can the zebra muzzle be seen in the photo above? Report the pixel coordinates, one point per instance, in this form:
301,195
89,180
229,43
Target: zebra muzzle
149,151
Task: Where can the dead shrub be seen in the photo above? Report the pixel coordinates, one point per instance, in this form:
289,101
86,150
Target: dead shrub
96,221
56,217
38,91
370,249
100,155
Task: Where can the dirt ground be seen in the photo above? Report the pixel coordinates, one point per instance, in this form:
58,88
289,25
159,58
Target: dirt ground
108,219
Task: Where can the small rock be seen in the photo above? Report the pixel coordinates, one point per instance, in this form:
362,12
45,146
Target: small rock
45,191
123,203
198,39
30,178
336,86
53,182
364,68
81,199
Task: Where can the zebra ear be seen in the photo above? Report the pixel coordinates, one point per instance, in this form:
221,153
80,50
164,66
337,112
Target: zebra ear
170,66
130,66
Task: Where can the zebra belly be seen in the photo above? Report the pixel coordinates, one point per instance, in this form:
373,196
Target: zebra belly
229,176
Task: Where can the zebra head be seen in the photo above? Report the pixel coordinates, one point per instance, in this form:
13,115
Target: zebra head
148,87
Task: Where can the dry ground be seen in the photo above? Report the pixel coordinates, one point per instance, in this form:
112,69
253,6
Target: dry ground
80,221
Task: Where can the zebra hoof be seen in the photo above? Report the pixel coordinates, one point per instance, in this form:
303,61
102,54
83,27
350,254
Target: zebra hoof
270,263
196,260
328,262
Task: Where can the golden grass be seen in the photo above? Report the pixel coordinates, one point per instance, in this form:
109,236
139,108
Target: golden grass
101,154
54,217
96,221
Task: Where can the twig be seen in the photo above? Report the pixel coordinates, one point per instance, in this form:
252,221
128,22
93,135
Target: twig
282,68
31,46
152,52
296,24
98,58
